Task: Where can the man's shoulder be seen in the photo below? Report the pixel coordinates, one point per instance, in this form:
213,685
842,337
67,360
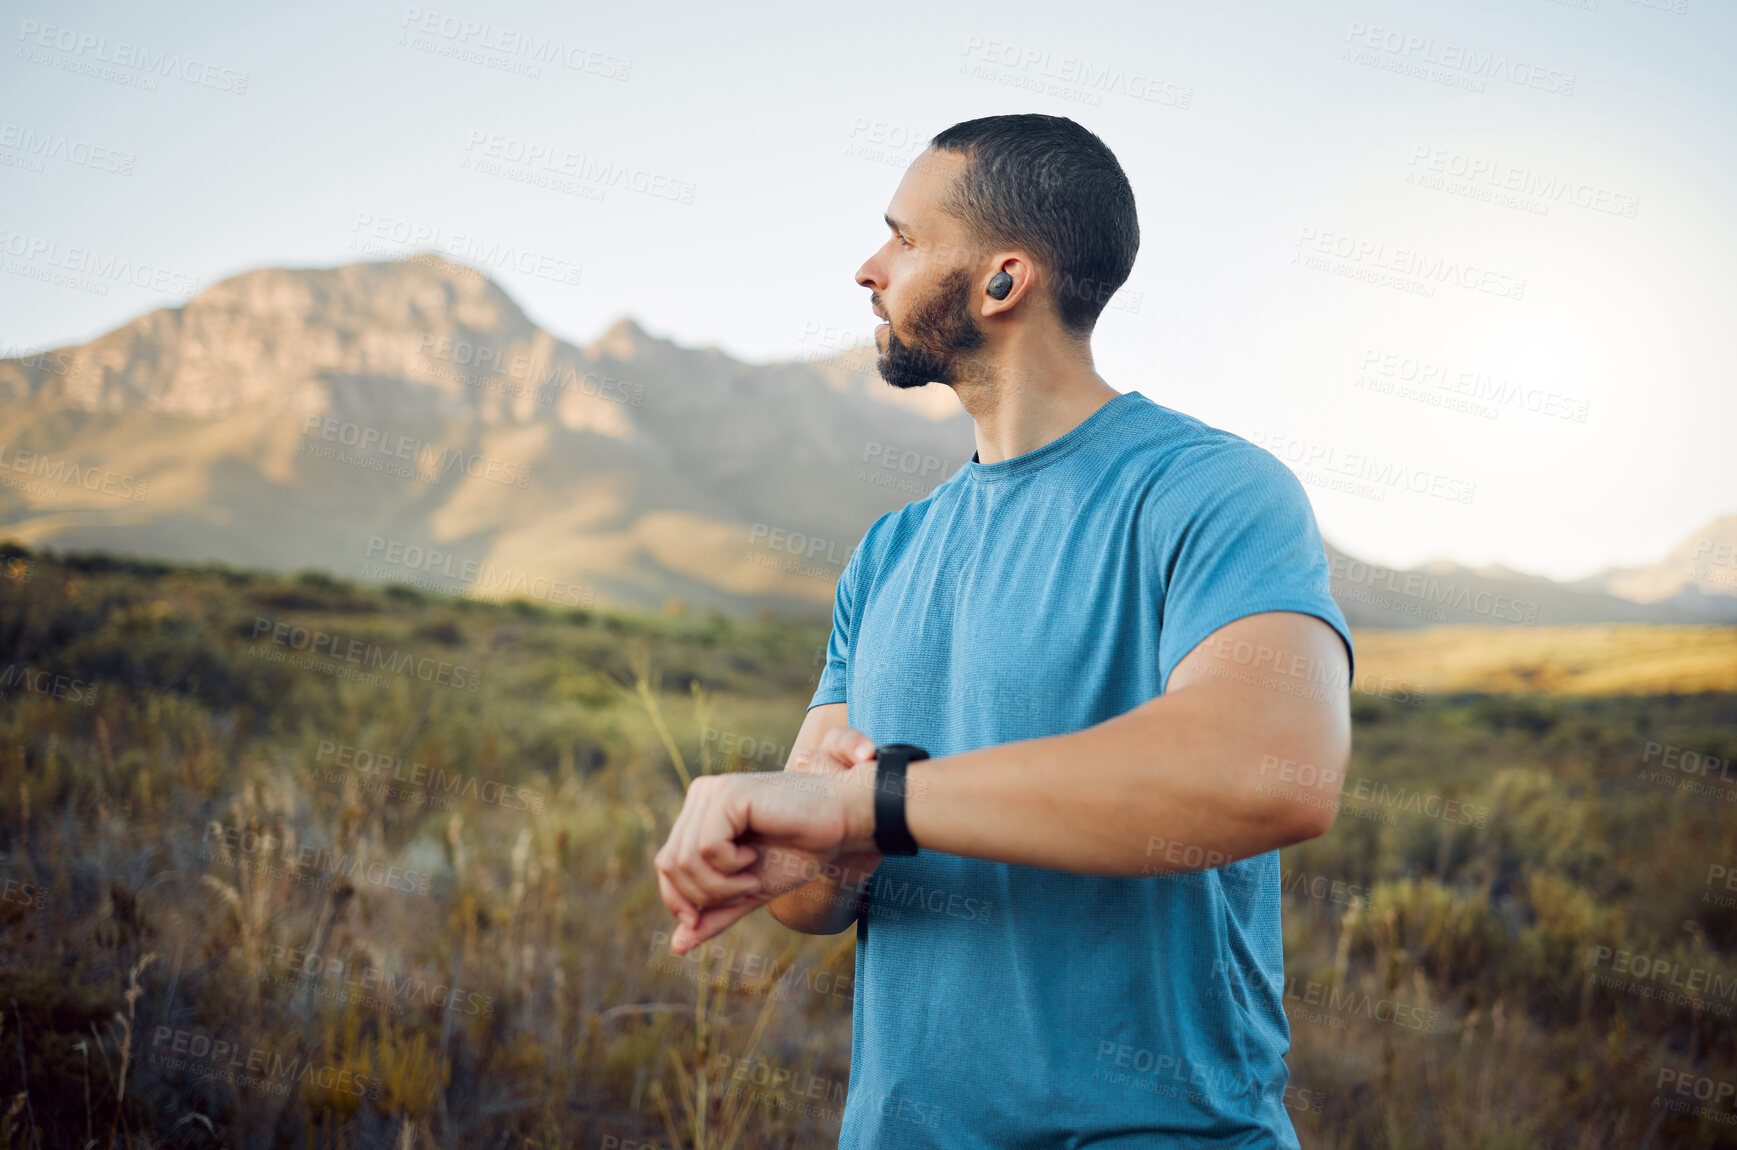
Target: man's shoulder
912,514
1178,450
900,522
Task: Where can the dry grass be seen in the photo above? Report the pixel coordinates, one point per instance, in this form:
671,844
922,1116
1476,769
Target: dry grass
1615,659
566,1022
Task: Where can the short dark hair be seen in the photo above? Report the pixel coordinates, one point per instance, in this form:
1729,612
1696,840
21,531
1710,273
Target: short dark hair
1049,186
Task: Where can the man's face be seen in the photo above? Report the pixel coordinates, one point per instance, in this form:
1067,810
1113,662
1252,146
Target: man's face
921,281
941,331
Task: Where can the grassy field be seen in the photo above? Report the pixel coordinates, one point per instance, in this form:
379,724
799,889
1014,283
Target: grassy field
288,862
1616,659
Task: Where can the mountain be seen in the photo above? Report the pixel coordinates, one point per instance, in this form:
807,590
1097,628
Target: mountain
1697,576
1438,593
1696,582
405,421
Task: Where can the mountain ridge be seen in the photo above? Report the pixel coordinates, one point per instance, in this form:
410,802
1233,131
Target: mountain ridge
255,416
336,417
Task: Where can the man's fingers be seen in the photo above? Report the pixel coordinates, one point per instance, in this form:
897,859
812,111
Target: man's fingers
705,869
713,922
729,857
681,875
847,746
672,866
822,760
838,750
678,905
710,836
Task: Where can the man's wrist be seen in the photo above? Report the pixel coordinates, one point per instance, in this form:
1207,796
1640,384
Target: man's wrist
859,807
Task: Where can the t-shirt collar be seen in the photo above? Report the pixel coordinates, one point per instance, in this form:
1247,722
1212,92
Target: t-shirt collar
1041,457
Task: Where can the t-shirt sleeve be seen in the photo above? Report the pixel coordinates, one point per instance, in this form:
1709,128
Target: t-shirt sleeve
832,676
1236,536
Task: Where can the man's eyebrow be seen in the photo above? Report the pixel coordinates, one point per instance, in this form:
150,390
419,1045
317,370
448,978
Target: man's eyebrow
894,224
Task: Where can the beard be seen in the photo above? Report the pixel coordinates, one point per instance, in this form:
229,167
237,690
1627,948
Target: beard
943,333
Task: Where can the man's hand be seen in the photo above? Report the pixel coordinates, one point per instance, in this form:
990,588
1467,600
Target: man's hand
743,839
835,758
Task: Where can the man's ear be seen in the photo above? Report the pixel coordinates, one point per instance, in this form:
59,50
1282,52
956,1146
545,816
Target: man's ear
1020,274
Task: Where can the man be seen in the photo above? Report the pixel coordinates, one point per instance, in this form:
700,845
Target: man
1107,630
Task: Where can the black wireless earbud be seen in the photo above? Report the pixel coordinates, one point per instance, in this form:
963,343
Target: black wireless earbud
1000,284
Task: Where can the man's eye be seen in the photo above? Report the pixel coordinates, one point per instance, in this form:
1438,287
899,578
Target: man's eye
904,241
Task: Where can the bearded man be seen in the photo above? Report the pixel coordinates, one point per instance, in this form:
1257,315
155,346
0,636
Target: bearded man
1075,701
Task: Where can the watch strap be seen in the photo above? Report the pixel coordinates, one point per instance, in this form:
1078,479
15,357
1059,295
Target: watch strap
892,836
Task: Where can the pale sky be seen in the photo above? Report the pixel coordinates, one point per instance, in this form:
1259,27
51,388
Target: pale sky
1354,215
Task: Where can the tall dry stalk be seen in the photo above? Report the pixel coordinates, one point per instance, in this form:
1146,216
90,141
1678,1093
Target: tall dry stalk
646,684
134,990
694,1086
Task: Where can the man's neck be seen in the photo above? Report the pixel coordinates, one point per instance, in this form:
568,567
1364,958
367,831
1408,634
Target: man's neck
1027,400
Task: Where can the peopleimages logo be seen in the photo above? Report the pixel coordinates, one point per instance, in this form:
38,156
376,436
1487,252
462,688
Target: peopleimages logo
373,981
83,49
1663,980
476,578
1308,459
47,683
751,972
532,156
779,1085
403,456
1688,761
1405,800
1408,269
52,470
1074,77
734,744
365,654
303,861
35,359
480,366
220,1058
1383,370
1487,178
515,45
796,543
24,894
392,235
1427,57
88,269
1426,588
43,145
378,767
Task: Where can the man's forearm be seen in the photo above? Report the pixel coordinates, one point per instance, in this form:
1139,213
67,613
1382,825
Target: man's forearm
1175,784
827,904
1179,783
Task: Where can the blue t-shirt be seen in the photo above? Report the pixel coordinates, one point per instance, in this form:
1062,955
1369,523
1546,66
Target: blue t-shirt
1001,1006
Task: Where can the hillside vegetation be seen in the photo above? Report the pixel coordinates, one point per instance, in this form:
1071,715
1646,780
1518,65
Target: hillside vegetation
291,862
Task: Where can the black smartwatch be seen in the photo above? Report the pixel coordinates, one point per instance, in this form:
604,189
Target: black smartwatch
892,836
